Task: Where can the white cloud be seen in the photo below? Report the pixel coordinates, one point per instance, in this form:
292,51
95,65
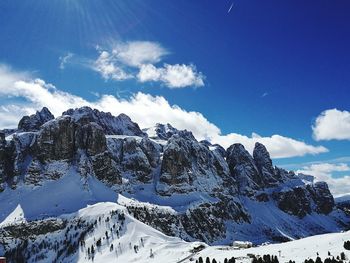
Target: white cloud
173,76
64,60
332,124
137,59
118,63
323,172
145,109
137,53
108,67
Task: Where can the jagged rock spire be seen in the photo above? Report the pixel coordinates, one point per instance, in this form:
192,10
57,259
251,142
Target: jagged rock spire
33,122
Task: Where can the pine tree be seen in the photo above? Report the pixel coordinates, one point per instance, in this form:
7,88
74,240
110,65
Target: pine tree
92,249
98,242
255,260
318,260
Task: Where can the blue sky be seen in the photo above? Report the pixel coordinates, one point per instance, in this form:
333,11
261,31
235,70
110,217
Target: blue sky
263,67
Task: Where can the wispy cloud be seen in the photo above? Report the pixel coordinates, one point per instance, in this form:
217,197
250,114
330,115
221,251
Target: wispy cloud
332,124
145,109
264,94
138,59
64,60
137,53
230,8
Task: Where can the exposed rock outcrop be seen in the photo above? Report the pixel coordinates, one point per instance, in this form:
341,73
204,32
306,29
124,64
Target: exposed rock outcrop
243,169
264,164
190,166
303,200
161,131
120,125
294,201
322,197
33,122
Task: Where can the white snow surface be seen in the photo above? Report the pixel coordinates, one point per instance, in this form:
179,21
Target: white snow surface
172,249
53,198
297,250
164,248
16,217
152,245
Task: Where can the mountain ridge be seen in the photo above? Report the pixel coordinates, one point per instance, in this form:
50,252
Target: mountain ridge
216,195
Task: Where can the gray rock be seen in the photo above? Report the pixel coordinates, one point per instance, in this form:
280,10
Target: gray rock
189,165
120,125
322,197
56,140
162,131
294,201
243,169
33,122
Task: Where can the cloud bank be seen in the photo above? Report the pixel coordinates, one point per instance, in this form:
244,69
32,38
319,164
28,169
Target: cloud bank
332,124
145,109
138,59
323,172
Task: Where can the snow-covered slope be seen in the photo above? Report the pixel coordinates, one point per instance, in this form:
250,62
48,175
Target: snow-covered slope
297,250
107,227
118,237
16,217
65,195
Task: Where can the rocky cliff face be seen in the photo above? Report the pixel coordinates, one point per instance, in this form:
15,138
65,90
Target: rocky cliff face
120,125
190,166
33,122
59,145
161,131
303,200
214,192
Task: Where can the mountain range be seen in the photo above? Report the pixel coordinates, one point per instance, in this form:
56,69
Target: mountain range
88,176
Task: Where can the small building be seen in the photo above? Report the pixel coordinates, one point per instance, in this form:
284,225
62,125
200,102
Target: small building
241,244
2,260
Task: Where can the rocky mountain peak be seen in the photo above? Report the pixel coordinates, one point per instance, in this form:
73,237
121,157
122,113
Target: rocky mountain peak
243,168
120,125
161,131
33,122
262,158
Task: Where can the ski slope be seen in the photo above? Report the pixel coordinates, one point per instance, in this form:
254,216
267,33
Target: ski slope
164,248
297,250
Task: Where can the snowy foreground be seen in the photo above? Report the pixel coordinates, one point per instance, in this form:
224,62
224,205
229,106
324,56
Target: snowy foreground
297,250
125,239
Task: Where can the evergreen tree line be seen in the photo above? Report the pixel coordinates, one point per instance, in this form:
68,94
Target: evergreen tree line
347,245
274,259
207,260
265,259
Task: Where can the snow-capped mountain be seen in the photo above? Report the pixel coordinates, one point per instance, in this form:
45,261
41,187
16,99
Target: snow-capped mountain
52,168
